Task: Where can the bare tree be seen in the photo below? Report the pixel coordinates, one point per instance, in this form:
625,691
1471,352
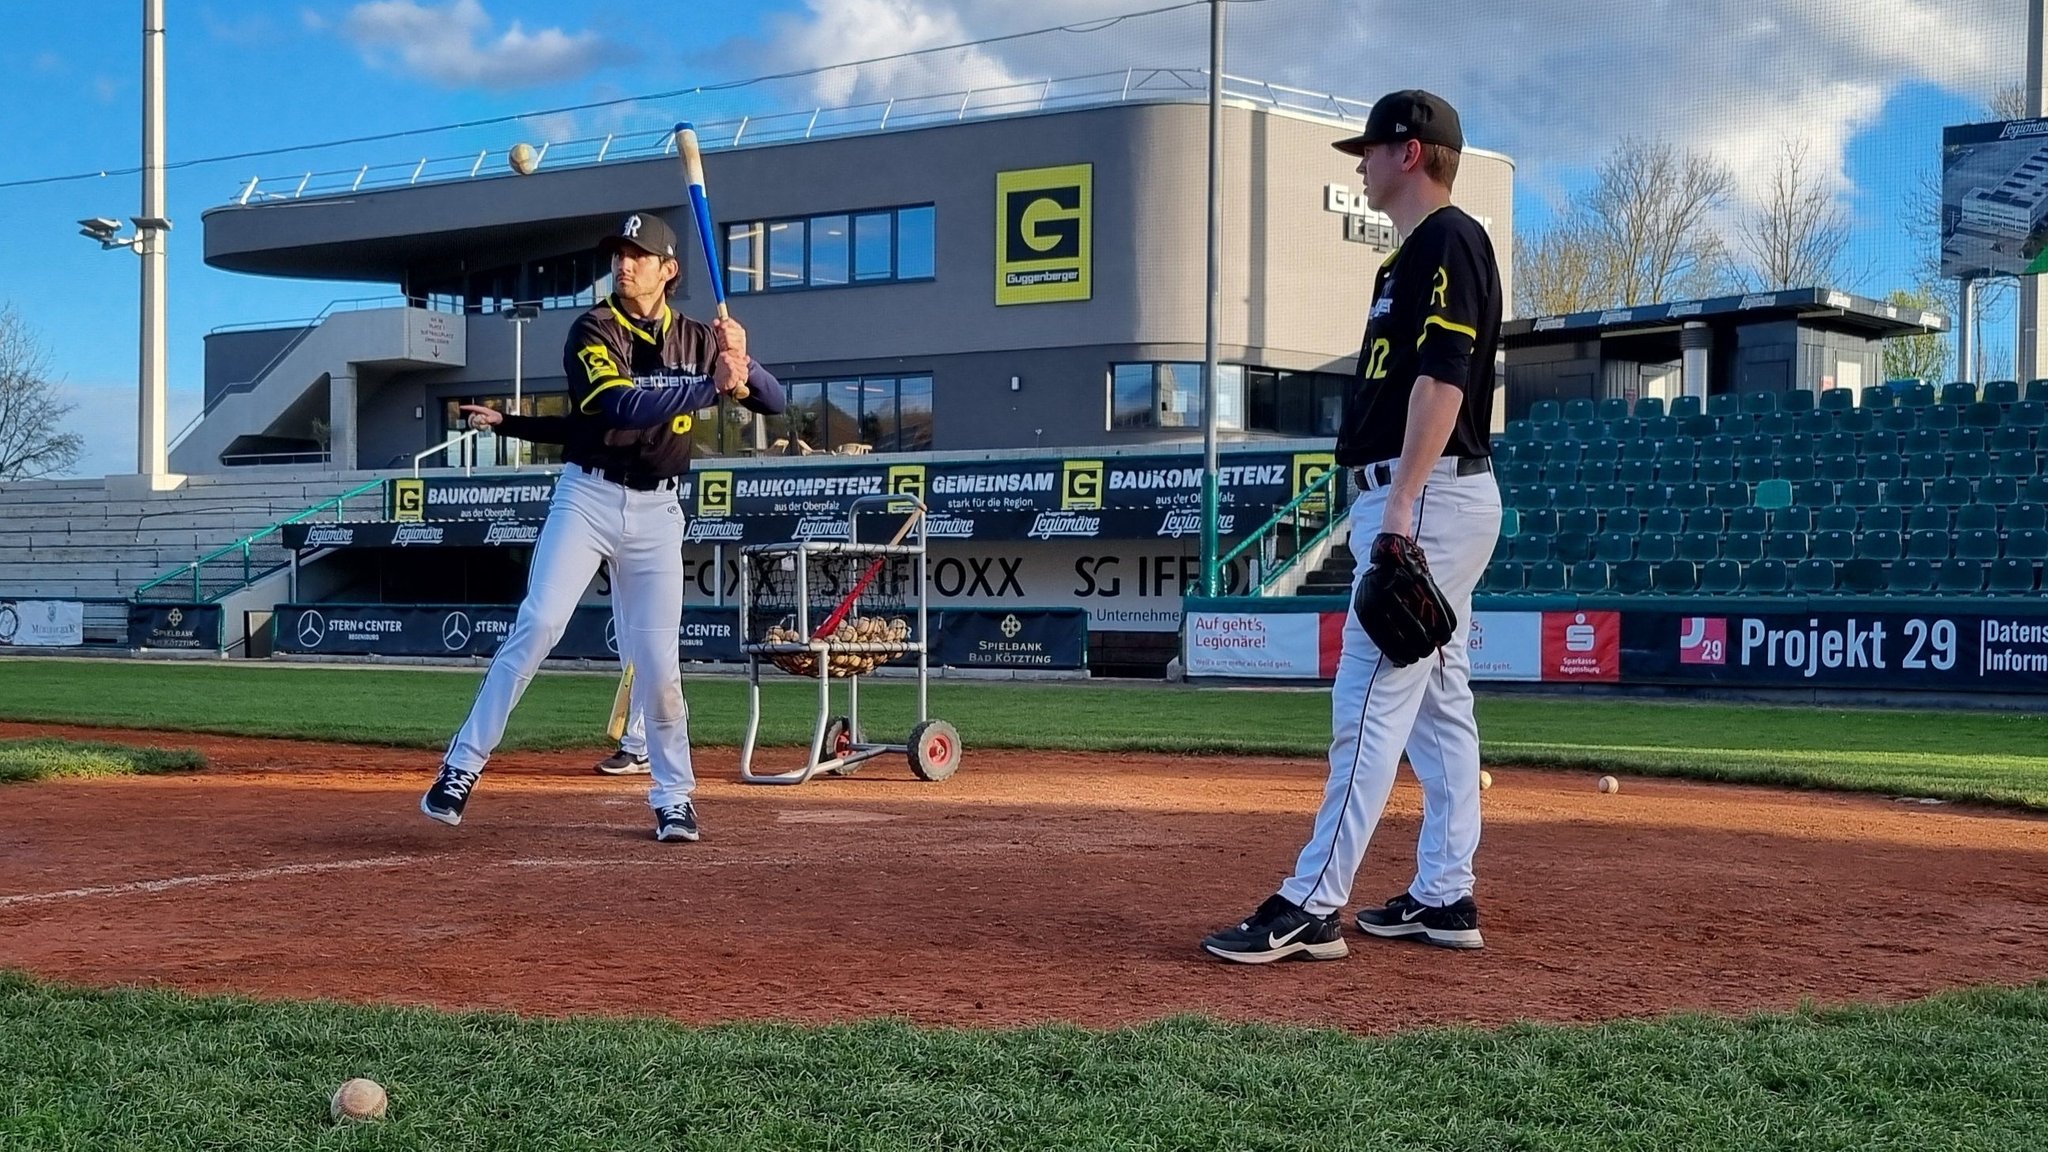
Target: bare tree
32,442
1921,357
1558,271
1798,236
2009,102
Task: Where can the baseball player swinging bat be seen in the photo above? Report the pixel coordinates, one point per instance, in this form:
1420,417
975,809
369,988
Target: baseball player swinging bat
693,175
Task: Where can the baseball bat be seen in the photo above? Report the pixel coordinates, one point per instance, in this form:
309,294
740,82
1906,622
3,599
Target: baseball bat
693,175
621,701
840,613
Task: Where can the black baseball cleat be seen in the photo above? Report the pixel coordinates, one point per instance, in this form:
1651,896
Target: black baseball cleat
676,822
450,792
1451,926
1280,929
624,763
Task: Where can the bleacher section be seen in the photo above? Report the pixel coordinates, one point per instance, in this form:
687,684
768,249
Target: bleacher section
1919,491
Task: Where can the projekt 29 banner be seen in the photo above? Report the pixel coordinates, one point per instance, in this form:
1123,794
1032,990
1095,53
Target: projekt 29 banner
1947,650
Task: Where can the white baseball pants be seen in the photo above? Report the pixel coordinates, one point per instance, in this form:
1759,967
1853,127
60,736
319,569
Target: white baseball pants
1378,709
640,535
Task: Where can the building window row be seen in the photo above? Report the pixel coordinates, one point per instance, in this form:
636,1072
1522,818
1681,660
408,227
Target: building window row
1168,394
831,250
857,414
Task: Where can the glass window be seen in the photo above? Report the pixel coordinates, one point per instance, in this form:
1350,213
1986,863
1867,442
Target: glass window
829,244
915,257
742,258
804,421
842,413
1229,397
1330,389
1262,399
1297,403
786,254
1130,396
914,415
1179,394
874,242
877,410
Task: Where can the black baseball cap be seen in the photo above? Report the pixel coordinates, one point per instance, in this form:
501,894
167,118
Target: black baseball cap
1411,114
643,230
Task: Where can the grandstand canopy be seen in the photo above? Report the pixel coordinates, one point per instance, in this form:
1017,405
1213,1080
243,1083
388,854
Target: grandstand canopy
1826,308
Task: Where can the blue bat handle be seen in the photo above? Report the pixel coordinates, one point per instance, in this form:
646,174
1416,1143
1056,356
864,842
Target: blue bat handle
710,240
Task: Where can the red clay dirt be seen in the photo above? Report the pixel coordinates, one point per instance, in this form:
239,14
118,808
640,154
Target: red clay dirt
1032,887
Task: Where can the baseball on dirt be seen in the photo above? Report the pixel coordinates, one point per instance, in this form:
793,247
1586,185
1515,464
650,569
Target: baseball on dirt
1609,784
523,158
1485,779
358,1099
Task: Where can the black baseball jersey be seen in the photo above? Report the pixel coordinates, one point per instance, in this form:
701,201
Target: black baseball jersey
1435,312
609,349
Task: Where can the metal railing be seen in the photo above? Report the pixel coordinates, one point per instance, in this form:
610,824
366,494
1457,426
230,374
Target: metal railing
1297,527
254,459
236,566
1149,85
468,459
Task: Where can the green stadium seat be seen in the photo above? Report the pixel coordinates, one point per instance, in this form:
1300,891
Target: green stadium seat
1609,493
1802,518
1977,545
1910,578
1684,406
1630,578
1677,577
1883,518
1793,444
1553,431
1656,547
2034,489
1670,472
1884,466
1880,545
2037,390
1863,493
1836,546
1758,403
1771,494
1814,493
1756,469
1571,547
1926,544
1977,518
1814,423
1755,444
1881,440
1699,547
1614,547
1926,466
1612,408
1735,494
1579,409
1546,411
1561,474
1966,440
1715,471
1589,576
1503,549
1647,406
1904,492
1546,576
1519,432
1504,577
1953,492
1747,547
2029,413
1884,395
1570,496
1919,395
1587,429
1983,416
1777,425
1970,465
1717,447
1720,578
1602,452
2027,544
1530,549
1640,450
2012,578
2013,438
1635,474
1837,444
1689,495
1537,522
1837,400
1856,423
1510,522
1527,496
2024,518
1795,400
2000,490
1584,521
1724,404
1766,577
1959,392
1519,471
1657,427
1681,448
1920,441
1898,419
1861,577
1814,577
1669,521
1651,495
1795,468
2001,392
1929,518
1959,577
1785,546
2018,465
1941,417
1564,452
1748,520
1700,426
1841,467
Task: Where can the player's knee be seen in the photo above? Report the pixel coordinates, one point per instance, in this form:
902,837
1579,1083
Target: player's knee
668,706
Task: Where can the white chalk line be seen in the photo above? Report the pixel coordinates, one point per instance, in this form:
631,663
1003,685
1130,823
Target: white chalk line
149,886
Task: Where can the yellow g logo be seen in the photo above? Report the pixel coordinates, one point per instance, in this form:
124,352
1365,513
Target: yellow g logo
1044,241
906,480
408,499
598,363
1081,484
1309,468
714,494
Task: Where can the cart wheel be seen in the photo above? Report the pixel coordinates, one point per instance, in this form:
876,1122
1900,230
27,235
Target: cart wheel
838,742
934,750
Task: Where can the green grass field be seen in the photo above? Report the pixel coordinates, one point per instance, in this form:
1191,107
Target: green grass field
1993,757
150,1070
43,759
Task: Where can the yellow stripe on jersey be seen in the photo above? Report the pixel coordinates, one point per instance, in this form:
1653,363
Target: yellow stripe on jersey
587,407
1448,326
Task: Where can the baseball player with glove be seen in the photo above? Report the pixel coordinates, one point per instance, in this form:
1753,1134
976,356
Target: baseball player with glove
1415,435
636,372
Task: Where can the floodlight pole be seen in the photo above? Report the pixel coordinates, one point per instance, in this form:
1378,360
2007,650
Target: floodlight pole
1211,582
1966,332
151,454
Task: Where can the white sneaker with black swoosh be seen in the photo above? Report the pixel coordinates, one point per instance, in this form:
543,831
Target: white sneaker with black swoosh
1451,926
1280,929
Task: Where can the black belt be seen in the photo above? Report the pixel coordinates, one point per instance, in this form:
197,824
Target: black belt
625,479
1381,475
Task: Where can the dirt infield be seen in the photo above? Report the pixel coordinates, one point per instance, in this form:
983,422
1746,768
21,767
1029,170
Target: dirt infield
1029,888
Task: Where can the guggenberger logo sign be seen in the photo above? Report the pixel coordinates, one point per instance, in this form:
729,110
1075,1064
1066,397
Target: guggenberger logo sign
1044,234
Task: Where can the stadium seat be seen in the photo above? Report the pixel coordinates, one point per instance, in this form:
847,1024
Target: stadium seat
2017,464
1929,518
1983,416
1537,522
1959,577
1977,545
1584,521
1814,493
1635,473
1669,521
1518,471
2028,544
2029,413
1785,546
1919,442
1560,474
1755,444
1553,431
1586,429
1926,544
1756,469
1639,449
1519,432
1719,446
1699,547
1772,494
1897,419
1503,549
1682,407
1802,518
1862,493
1700,426
1836,546
1880,440
1526,496
1747,547
1736,494
2034,489
1814,576
2012,438
1564,452
1609,493
1671,472
1602,452
1858,422
1841,466
1630,578
1612,408
2000,490
1530,548
1681,447
1715,471
1589,576
2036,390
2011,578
1758,403
1884,466
1777,425
1940,417
1579,408
1959,392
1815,423
1970,465
1953,492
1977,518
1766,577
1720,578
1657,427
1546,576
1904,492
1571,547
1919,395
1502,576
2001,392
1966,440
1880,545
1910,578
1836,444
1689,495
1748,520
1794,468
1883,518
1677,577
1795,444
1647,406
1926,466
1614,547
1795,400
1837,400
1546,411
2024,518
1569,496
1861,577
1724,404
1656,547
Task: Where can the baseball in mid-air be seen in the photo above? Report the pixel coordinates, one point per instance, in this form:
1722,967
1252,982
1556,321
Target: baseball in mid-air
1485,779
523,158
1609,784
358,1099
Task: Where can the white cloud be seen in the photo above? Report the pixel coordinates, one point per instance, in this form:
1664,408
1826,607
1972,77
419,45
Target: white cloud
456,45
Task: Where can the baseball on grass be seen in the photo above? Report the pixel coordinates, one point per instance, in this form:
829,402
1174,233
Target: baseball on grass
1485,779
1609,784
358,1099
523,158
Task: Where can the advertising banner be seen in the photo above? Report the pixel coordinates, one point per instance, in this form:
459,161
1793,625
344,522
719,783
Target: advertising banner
42,623
1966,651
1582,646
1277,645
1506,645
1994,199
190,626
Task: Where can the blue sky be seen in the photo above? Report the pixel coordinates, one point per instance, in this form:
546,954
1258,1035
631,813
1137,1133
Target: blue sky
1868,83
